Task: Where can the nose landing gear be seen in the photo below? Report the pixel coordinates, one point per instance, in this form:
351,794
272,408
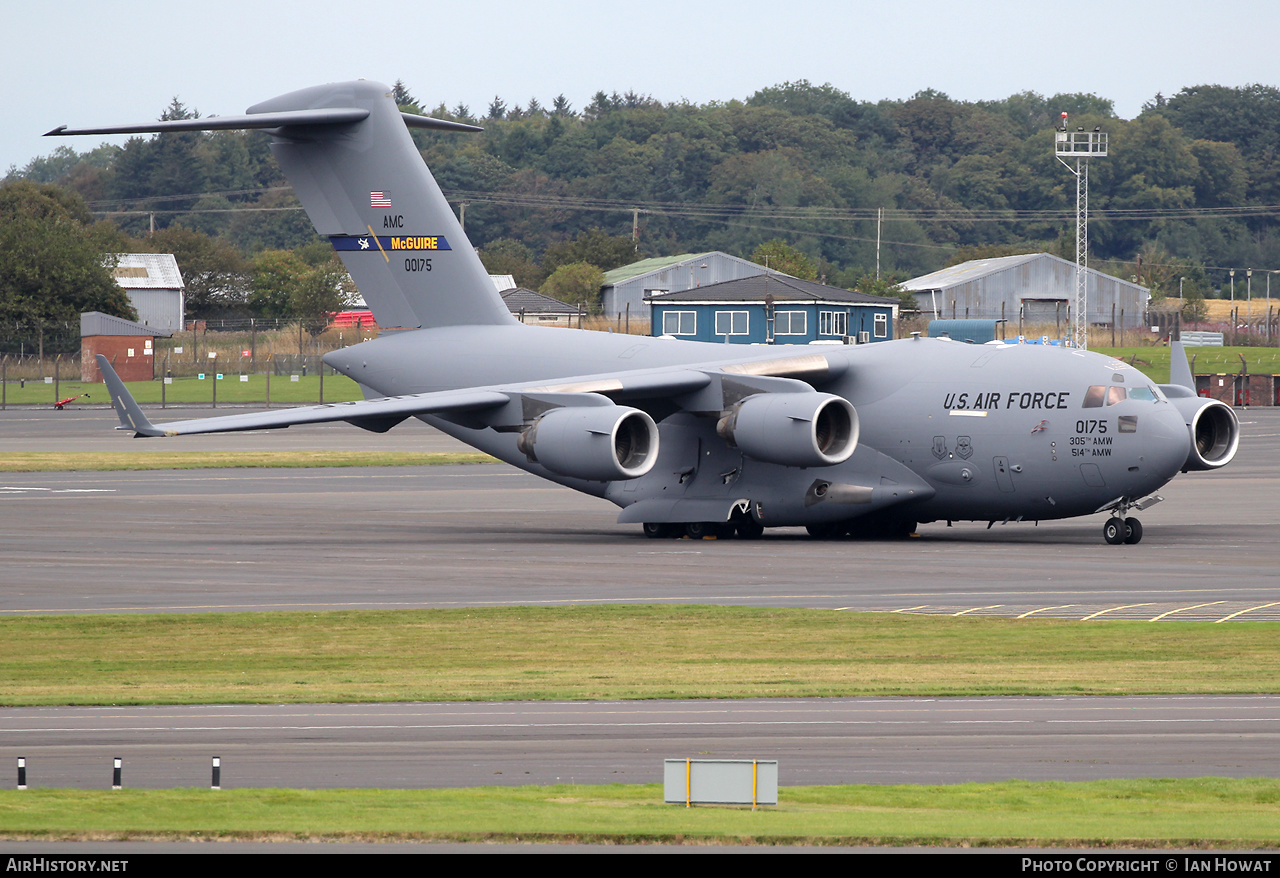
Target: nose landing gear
1119,530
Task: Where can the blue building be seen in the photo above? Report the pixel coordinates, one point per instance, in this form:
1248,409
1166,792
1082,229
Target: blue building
772,309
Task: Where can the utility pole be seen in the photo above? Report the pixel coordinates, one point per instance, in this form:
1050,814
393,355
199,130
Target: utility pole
1081,145
879,220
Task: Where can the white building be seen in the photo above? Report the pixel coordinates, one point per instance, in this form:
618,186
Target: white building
155,288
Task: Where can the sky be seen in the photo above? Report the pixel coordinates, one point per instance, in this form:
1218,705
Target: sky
84,63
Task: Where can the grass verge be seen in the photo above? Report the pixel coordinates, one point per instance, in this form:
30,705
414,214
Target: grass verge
611,652
1196,813
1154,361
89,461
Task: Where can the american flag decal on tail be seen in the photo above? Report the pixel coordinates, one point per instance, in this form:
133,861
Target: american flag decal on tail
379,198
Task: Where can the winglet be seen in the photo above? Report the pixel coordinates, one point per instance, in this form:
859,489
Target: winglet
1179,368
131,416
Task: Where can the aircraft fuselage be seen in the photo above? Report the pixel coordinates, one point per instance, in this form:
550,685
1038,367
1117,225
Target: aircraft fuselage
948,430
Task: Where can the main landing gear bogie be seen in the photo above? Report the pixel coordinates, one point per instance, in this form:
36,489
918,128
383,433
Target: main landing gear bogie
1119,530
745,528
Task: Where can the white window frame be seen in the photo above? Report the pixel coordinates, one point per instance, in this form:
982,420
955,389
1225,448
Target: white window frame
680,322
790,323
741,319
833,323
882,325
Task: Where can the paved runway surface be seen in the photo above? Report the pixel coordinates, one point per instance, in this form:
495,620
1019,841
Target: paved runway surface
483,535
816,741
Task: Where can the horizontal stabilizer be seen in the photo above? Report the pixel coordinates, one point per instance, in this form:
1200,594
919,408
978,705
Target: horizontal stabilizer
282,119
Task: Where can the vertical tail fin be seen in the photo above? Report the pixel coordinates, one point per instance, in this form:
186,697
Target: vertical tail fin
131,416
347,151
1179,367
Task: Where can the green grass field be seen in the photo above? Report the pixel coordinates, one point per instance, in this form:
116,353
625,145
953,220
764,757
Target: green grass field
1203,813
1154,361
611,652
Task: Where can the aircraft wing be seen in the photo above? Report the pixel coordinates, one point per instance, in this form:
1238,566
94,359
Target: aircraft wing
708,388
373,414
497,406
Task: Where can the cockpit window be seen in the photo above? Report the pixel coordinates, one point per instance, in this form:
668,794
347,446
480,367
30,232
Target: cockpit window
1101,394
1147,394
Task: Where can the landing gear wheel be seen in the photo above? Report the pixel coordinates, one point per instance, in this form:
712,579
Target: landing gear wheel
749,528
1133,531
1114,531
660,530
696,530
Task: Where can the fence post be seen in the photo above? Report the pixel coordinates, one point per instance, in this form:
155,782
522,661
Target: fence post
270,368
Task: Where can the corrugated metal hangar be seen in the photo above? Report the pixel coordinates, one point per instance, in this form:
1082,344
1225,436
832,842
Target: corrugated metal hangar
155,288
1036,287
626,288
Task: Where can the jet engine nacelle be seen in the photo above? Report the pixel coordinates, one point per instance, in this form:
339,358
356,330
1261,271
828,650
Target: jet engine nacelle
793,429
1215,431
597,443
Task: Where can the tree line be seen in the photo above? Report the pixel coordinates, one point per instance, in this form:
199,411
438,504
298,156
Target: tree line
554,195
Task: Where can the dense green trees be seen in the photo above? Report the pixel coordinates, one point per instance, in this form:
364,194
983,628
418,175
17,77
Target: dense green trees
808,165
52,265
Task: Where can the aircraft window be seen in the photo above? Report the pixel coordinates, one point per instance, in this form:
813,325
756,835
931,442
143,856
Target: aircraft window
1094,396
1115,395
1144,393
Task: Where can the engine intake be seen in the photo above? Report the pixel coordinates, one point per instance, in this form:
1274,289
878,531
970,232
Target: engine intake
792,429
1215,432
597,443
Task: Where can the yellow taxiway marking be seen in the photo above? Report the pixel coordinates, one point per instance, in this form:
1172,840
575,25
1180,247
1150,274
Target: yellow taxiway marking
1113,610
1248,610
976,609
1045,610
1184,609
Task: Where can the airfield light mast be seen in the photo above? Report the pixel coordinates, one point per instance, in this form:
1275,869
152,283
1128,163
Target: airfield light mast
1081,145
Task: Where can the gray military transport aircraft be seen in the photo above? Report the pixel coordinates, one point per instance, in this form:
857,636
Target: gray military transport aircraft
693,438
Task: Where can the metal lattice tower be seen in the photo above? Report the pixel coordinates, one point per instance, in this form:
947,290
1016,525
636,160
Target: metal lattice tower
1081,145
